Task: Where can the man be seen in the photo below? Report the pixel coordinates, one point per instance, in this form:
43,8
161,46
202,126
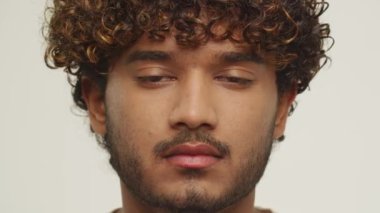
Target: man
187,96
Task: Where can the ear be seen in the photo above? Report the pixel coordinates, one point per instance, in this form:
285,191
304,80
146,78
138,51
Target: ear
94,98
284,104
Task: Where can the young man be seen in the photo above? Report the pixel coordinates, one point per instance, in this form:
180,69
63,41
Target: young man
187,96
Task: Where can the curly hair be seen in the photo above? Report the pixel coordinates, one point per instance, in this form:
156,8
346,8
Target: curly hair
84,36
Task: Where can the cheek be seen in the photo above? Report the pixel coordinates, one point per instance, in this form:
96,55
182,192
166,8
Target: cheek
250,127
138,118
248,119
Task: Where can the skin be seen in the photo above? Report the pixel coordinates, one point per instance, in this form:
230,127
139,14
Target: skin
235,102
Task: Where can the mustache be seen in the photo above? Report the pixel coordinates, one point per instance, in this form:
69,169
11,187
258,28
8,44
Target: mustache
186,136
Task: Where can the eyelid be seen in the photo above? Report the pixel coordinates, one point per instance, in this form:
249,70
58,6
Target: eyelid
155,81
152,71
151,67
236,76
234,79
155,78
237,73
239,69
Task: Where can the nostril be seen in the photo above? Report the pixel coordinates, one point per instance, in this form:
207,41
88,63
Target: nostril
193,127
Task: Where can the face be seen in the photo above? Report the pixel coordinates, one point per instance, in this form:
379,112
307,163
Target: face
188,128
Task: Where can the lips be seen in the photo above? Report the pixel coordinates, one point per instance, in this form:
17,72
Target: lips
192,156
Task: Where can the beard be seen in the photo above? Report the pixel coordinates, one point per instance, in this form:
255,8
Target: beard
129,168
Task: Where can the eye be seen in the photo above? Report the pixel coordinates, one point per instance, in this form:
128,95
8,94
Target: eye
235,80
154,80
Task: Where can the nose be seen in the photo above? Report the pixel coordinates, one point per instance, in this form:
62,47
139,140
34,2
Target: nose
194,107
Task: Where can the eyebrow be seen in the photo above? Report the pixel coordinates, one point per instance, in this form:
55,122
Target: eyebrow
233,57
228,57
142,55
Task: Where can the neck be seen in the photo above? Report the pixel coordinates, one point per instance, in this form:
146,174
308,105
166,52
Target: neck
132,204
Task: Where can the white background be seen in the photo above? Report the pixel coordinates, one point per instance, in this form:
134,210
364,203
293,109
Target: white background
49,161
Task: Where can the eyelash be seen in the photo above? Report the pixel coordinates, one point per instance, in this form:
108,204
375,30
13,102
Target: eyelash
156,80
235,80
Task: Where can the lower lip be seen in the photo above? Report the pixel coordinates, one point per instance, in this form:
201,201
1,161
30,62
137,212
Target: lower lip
193,161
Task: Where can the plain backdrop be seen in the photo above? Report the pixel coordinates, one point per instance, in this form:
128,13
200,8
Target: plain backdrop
50,162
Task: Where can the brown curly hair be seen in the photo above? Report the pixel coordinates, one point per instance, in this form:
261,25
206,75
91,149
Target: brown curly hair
83,36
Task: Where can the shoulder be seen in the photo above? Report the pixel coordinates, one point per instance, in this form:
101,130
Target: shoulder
260,210
115,211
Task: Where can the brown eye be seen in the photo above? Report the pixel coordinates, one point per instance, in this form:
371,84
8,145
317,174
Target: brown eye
154,80
234,80
147,79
